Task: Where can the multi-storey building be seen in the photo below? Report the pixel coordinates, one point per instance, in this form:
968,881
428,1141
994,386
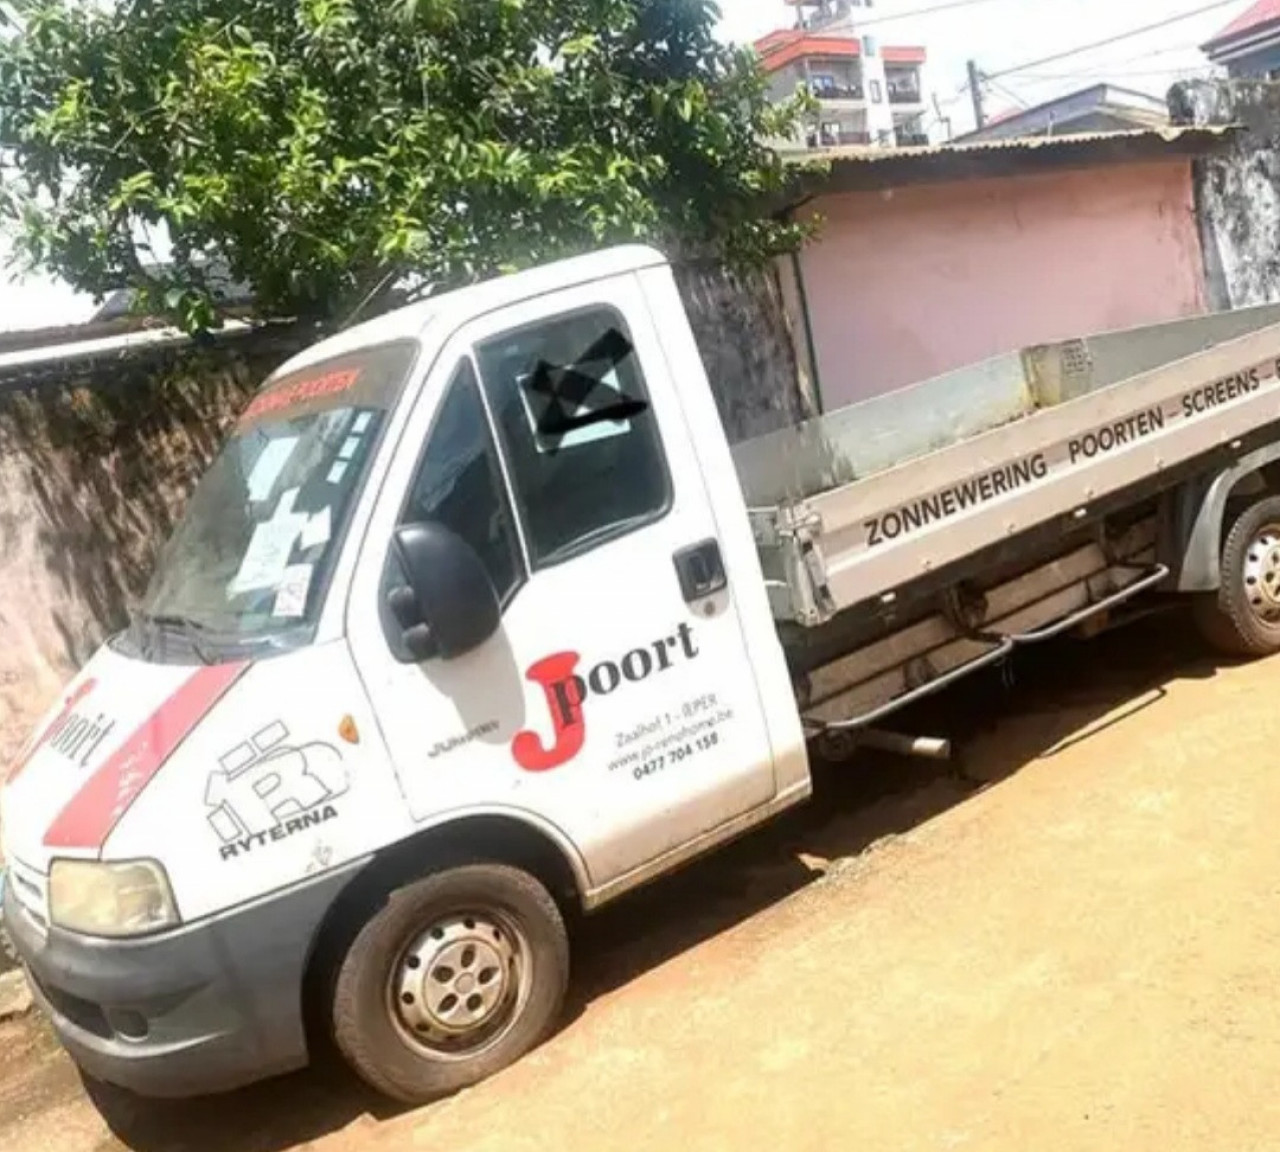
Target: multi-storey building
867,92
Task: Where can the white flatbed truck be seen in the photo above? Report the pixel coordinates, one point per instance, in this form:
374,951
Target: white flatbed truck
478,618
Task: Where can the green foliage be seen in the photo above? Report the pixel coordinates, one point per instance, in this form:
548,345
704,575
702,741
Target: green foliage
317,149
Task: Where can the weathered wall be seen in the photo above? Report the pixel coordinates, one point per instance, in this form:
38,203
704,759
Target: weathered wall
1238,189
908,284
747,344
93,470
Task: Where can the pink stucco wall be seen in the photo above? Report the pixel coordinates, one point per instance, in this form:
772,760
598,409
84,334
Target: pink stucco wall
906,284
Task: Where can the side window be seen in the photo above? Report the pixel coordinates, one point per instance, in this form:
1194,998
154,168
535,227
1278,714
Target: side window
460,485
579,433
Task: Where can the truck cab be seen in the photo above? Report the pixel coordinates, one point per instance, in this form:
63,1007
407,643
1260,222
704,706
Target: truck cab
464,628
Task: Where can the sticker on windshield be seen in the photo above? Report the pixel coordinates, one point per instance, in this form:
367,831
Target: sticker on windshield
267,469
269,549
295,392
291,598
318,530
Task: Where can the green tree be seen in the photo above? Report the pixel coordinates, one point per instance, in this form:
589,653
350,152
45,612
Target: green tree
319,149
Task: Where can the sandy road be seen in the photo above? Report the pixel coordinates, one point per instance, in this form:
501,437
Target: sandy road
1084,954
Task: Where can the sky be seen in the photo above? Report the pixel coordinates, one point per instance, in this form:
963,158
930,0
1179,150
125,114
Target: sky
998,34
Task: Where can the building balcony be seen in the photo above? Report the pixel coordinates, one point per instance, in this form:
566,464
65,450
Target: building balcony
905,94
912,138
843,139
836,93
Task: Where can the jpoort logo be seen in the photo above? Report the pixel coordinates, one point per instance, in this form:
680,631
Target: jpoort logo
69,732
567,692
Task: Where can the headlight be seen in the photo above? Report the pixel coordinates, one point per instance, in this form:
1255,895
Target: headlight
110,899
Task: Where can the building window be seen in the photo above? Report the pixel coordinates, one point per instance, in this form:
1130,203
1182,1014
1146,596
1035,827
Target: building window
869,45
460,485
580,436
877,93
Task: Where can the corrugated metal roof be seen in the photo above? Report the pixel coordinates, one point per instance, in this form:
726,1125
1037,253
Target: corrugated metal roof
860,168
1127,108
1082,141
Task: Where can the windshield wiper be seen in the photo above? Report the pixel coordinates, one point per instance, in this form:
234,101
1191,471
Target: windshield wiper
190,629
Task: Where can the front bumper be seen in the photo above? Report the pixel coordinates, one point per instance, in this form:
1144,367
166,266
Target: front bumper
205,1008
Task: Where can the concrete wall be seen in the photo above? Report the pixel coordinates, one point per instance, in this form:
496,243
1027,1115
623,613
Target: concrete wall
93,471
907,284
1238,190
784,82
744,333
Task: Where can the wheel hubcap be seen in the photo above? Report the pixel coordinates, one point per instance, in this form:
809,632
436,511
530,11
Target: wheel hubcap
459,984
1262,574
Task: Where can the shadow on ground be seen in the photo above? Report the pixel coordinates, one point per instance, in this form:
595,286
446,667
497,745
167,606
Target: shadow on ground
1056,695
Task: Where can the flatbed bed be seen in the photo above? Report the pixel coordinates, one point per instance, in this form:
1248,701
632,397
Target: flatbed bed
919,536
851,507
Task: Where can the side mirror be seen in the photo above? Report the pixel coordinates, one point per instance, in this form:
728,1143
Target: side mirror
448,605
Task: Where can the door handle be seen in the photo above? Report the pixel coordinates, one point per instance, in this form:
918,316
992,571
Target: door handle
700,569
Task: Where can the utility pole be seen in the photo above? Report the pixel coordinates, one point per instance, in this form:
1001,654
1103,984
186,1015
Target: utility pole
975,90
942,119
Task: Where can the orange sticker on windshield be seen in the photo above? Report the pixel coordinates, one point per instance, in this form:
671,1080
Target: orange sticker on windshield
287,395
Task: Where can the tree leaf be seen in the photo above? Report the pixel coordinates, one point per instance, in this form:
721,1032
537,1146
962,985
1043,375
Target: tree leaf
297,146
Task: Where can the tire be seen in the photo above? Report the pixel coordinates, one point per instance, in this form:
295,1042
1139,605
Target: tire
1243,617
489,936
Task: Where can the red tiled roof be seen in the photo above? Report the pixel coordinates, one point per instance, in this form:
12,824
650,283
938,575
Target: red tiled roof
1263,12
772,40
778,49
781,53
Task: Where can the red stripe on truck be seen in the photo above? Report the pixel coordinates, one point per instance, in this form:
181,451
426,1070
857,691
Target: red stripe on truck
96,809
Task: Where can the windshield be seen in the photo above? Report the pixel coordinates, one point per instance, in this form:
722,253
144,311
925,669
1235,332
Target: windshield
249,564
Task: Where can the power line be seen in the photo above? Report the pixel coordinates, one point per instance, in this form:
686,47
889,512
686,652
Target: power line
1010,93
1111,39
939,105
920,12
1120,64
1124,66
1098,75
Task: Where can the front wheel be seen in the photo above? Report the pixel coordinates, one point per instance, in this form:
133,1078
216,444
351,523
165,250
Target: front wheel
455,977
1243,617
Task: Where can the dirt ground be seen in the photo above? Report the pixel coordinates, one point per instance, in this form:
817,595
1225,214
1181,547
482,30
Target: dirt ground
1078,947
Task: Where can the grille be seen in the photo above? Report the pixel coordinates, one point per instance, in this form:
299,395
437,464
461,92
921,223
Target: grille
31,890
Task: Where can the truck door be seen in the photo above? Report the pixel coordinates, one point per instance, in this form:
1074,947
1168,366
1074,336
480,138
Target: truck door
617,702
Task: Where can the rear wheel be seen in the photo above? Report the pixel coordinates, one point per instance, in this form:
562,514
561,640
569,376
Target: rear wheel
455,977
1243,617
